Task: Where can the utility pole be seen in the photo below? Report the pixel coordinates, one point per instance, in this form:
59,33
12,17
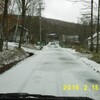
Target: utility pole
5,22
97,46
17,24
16,29
40,21
91,47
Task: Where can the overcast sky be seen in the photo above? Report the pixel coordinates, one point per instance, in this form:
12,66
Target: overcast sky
62,10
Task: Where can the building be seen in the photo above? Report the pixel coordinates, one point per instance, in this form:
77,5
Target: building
51,37
70,39
15,36
94,40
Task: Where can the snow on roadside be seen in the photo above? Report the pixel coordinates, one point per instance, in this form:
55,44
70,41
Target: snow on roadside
9,56
84,58
13,54
27,48
95,66
11,45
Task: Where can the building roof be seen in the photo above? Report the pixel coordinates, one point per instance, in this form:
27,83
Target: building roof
72,36
52,34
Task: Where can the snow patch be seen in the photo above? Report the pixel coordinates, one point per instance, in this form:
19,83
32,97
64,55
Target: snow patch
9,56
84,58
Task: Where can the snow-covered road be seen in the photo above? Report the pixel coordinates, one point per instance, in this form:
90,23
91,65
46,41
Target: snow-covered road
53,71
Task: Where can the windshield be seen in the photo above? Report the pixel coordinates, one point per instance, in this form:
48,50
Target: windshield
50,47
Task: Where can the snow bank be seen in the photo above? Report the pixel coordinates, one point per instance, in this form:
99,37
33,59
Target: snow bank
84,58
9,56
95,66
27,47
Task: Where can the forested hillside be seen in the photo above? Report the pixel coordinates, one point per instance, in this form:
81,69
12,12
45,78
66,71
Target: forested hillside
49,26
56,26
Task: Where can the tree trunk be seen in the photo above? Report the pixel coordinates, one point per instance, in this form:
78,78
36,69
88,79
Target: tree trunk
1,39
91,47
16,30
1,43
97,46
23,22
4,25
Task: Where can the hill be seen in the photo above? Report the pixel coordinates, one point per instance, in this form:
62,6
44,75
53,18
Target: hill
49,26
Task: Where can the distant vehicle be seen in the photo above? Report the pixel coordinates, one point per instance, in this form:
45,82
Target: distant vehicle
51,37
52,43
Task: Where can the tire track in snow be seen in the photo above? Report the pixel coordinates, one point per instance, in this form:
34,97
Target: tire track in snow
31,74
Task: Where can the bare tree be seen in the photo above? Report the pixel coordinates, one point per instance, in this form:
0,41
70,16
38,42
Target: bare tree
1,30
4,5
23,22
91,7
23,7
91,46
1,6
91,17
5,22
97,46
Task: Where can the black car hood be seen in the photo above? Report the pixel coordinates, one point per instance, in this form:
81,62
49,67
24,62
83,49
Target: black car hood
18,96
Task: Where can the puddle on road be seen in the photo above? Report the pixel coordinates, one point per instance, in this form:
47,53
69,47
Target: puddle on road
47,63
58,54
93,81
67,59
53,68
71,63
87,77
64,63
82,74
58,67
